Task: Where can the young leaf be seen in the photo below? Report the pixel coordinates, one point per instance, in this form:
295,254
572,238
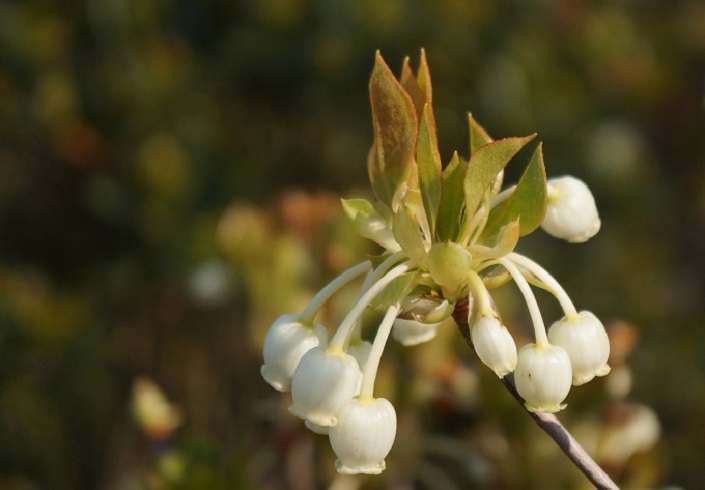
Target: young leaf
506,240
448,220
411,86
428,160
395,131
484,166
369,223
396,291
528,201
408,236
478,135
424,80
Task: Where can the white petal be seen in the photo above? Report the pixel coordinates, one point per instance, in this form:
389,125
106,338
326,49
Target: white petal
494,345
323,383
411,332
285,344
571,213
587,345
543,377
364,436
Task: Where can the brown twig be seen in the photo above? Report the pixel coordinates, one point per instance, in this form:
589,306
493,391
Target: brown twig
546,421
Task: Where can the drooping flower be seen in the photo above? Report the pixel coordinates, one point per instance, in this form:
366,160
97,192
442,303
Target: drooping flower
543,377
322,384
494,345
287,340
363,436
412,332
586,342
571,213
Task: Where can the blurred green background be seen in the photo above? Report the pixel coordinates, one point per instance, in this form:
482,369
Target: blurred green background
169,183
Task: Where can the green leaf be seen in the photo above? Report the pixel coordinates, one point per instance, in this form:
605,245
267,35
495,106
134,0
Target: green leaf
484,166
395,131
478,135
506,240
408,235
428,160
411,86
424,80
396,291
528,201
369,223
452,198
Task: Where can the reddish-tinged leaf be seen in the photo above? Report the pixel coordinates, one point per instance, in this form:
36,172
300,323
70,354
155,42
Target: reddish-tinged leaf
410,84
478,135
395,131
424,80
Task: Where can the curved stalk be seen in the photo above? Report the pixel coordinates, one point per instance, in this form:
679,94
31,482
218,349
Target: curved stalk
348,323
370,371
547,279
333,287
546,421
534,311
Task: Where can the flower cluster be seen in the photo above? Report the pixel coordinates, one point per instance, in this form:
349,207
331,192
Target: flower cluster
448,236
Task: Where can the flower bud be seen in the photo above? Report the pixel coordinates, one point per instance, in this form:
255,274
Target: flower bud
587,345
323,383
427,310
286,342
363,436
448,265
411,332
494,345
543,377
571,213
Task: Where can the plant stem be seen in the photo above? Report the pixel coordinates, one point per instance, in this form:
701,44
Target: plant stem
343,333
546,421
548,280
370,369
372,278
534,311
336,284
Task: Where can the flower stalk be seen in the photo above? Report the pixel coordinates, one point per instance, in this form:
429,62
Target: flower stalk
548,422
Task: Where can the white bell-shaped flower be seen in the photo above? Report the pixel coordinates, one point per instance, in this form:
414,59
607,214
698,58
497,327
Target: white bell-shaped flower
543,377
571,213
323,383
586,342
360,350
412,332
317,429
285,344
363,436
494,345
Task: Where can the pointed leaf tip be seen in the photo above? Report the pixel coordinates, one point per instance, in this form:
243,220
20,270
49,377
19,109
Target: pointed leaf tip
484,166
395,129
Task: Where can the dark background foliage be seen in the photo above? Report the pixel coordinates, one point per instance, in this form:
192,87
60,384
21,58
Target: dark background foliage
128,127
